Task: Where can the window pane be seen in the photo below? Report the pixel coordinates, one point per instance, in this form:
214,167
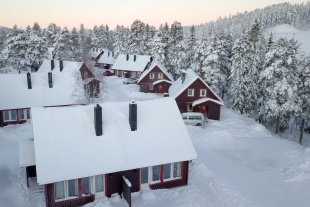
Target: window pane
85,186
6,115
167,171
99,183
155,173
21,114
13,114
28,113
177,169
144,175
72,188
59,190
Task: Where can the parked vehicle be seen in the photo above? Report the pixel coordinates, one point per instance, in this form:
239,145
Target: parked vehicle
194,118
130,81
108,73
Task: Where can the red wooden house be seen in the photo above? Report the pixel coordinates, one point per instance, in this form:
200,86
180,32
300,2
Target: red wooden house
99,150
130,65
155,79
193,94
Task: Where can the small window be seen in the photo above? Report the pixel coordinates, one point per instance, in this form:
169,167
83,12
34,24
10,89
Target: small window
151,75
203,92
176,170
160,76
72,188
167,171
9,115
189,107
28,113
99,183
151,87
59,189
85,186
21,114
156,173
6,115
144,175
190,92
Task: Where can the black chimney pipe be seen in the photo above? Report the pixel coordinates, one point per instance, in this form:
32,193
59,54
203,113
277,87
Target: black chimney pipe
50,79
134,58
29,80
61,65
127,57
52,64
98,119
133,116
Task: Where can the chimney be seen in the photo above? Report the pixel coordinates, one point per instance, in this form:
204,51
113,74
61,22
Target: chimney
112,54
133,116
134,58
61,65
52,64
50,79
98,119
183,75
127,57
29,80
108,54
93,49
19,71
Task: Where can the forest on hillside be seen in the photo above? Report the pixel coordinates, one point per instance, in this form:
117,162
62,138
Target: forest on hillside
265,78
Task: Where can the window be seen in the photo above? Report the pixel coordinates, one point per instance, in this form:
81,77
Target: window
203,92
144,175
189,107
85,186
9,115
167,171
24,114
151,87
190,92
155,173
66,189
172,171
85,74
176,170
151,75
98,183
134,74
160,76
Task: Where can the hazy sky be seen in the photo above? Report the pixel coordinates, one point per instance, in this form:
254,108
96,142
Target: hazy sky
72,13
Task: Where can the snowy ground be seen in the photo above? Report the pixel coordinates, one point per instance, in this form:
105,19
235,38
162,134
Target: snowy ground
240,163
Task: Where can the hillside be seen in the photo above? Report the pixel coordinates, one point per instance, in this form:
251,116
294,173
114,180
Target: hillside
289,32
240,163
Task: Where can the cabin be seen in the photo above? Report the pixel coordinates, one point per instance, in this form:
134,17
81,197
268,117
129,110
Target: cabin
155,79
20,92
192,94
57,66
95,151
131,65
106,60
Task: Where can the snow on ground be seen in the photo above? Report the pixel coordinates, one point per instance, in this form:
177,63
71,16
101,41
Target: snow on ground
240,163
289,32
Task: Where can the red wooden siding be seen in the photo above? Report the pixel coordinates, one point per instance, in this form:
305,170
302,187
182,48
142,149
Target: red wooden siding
17,121
89,73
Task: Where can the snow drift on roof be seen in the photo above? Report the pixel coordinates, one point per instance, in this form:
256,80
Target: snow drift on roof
26,153
66,144
203,100
139,65
14,92
107,58
68,66
160,66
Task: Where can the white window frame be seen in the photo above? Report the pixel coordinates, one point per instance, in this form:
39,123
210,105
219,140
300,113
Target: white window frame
93,186
201,90
24,113
151,175
188,107
193,92
66,188
151,87
152,75
171,172
160,76
10,115
148,178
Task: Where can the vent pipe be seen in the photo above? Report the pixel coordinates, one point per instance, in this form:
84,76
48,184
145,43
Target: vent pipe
127,57
50,79
108,54
98,119
29,80
134,58
183,76
133,116
61,65
52,64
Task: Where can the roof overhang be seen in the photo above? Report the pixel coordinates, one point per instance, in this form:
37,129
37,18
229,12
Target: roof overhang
160,81
205,100
26,153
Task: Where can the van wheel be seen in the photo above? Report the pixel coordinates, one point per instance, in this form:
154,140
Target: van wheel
198,124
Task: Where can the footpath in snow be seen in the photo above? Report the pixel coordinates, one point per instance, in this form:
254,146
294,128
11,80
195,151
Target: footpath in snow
240,163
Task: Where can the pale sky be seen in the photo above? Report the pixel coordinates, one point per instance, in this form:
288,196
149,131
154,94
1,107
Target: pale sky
72,13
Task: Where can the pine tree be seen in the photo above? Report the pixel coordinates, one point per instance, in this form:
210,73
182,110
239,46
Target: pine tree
63,50
76,46
135,39
279,81
200,54
158,47
120,43
84,45
176,50
190,50
52,34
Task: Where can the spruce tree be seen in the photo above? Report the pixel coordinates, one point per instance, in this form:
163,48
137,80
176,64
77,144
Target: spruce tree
63,50
76,47
52,34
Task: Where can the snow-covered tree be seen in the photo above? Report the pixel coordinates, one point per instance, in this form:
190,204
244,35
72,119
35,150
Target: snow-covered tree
52,34
121,40
177,48
135,38
158,47
63,50
279,82
190,50
76,47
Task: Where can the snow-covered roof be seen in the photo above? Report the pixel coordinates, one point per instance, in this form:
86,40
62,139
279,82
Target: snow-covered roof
162,80
152,66
203,100
178,87
26,153
94,52
138,65
14,92
107,58
65,139
50,53
68,66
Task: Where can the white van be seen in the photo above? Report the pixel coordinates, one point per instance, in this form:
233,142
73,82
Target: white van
194,118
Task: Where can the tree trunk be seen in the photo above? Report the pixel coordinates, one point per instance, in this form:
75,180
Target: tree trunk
301,131
277,125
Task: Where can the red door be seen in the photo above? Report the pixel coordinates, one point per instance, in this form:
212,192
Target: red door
160,89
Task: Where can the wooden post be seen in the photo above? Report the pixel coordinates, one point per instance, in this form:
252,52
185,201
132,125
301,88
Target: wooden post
301,131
